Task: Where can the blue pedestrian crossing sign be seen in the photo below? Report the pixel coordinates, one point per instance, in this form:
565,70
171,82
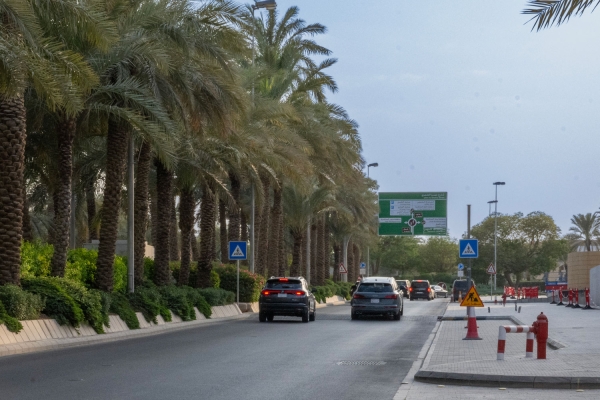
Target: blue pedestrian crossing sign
238,251
468,248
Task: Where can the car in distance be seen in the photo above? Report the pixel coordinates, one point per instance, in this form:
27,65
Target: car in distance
377,295
421,289
286,296
460,285
404,285
440,291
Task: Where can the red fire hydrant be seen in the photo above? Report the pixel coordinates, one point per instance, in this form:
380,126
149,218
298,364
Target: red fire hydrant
541,335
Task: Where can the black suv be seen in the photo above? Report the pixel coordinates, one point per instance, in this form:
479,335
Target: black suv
286,296
404,285
421,289
460,285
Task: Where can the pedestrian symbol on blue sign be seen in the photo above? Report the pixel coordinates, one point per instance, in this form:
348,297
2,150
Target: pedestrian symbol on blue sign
237,250
468,248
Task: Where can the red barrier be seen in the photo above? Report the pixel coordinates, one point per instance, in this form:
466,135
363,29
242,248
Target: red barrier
570,298
560,297
576,301
587,299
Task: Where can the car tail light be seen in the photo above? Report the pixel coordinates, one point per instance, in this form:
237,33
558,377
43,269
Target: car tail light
391,296
410,289
358,296
299,293
429,289
283,280
266,292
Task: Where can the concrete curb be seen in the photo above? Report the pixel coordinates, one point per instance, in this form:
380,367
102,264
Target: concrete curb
485,380
67,342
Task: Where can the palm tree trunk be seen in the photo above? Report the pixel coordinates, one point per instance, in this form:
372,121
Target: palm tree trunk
297,253
27,232
263,228
153,215
65,132
90,199
234,212
350,267
273,260
337,250
207,236
173,239
283,260
194,244
223,232
243,231
314,273
320,266
327,246
142,180
116,154
164,198
187,205
356,265
12,161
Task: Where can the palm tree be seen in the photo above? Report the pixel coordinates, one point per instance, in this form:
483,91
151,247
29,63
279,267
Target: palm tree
549,12
587,229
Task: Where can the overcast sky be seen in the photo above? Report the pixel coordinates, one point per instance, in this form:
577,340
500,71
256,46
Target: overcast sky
455,95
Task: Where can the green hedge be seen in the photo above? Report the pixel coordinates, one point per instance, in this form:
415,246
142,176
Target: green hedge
179,300
119,304
35,259
12,324
90,301
148,300
250,284
330,289
20,304
58,303
217,297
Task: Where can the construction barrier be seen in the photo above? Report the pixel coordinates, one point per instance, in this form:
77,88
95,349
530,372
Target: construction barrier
522,292
570,298
560,297
539,330
576,299
587,299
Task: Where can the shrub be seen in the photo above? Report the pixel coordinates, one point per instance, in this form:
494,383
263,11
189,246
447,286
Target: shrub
176,266
120,274
120,306
217,297
35,259
250,284
81,266
149,302
198,301
90,302
12,324
21,304
149,269
178,301
58,304
215,279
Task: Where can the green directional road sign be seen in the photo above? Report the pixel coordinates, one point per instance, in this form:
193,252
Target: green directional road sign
413,214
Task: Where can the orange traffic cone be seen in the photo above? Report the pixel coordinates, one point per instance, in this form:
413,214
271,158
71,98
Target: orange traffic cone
472,325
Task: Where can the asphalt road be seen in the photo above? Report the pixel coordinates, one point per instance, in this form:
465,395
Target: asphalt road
241,359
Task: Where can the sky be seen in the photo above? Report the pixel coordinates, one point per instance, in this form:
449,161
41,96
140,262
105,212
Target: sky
451,96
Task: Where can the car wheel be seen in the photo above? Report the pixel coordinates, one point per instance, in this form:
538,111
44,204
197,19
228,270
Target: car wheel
305,316
411,299
429,299
397,316
402,310
353,316
313,315
270,317
262,317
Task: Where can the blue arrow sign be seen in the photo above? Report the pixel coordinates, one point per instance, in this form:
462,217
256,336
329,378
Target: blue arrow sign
468,248
363,265
238,250
461,267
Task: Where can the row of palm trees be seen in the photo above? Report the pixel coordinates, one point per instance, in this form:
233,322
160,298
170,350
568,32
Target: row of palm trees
215,104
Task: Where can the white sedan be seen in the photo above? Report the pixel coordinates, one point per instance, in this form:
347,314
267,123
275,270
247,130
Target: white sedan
440,291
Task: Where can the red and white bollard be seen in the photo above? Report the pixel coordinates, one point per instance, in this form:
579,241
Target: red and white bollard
587,299
570,298
560,297
553,301
515,329
576,301
472,325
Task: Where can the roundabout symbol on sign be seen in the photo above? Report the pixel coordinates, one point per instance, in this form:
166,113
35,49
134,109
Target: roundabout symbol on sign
412,222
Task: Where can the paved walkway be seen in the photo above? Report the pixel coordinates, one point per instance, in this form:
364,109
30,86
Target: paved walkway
575,364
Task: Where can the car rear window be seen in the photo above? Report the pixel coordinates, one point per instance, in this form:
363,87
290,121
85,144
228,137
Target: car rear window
281,284
375,287
460,284
419,284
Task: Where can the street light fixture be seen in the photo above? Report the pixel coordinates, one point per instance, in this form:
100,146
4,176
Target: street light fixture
368,247
496,229
269,5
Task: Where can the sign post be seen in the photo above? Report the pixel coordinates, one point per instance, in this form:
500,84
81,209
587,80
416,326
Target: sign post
238,251
410,214
461,270
491,269
363,268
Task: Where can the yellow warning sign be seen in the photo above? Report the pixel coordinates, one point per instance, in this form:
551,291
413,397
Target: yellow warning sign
472,299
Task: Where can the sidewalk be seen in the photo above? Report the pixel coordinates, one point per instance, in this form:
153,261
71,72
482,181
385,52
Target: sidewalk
572,363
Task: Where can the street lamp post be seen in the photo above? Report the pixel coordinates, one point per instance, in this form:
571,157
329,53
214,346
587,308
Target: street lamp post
496,229
368,247
269,5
